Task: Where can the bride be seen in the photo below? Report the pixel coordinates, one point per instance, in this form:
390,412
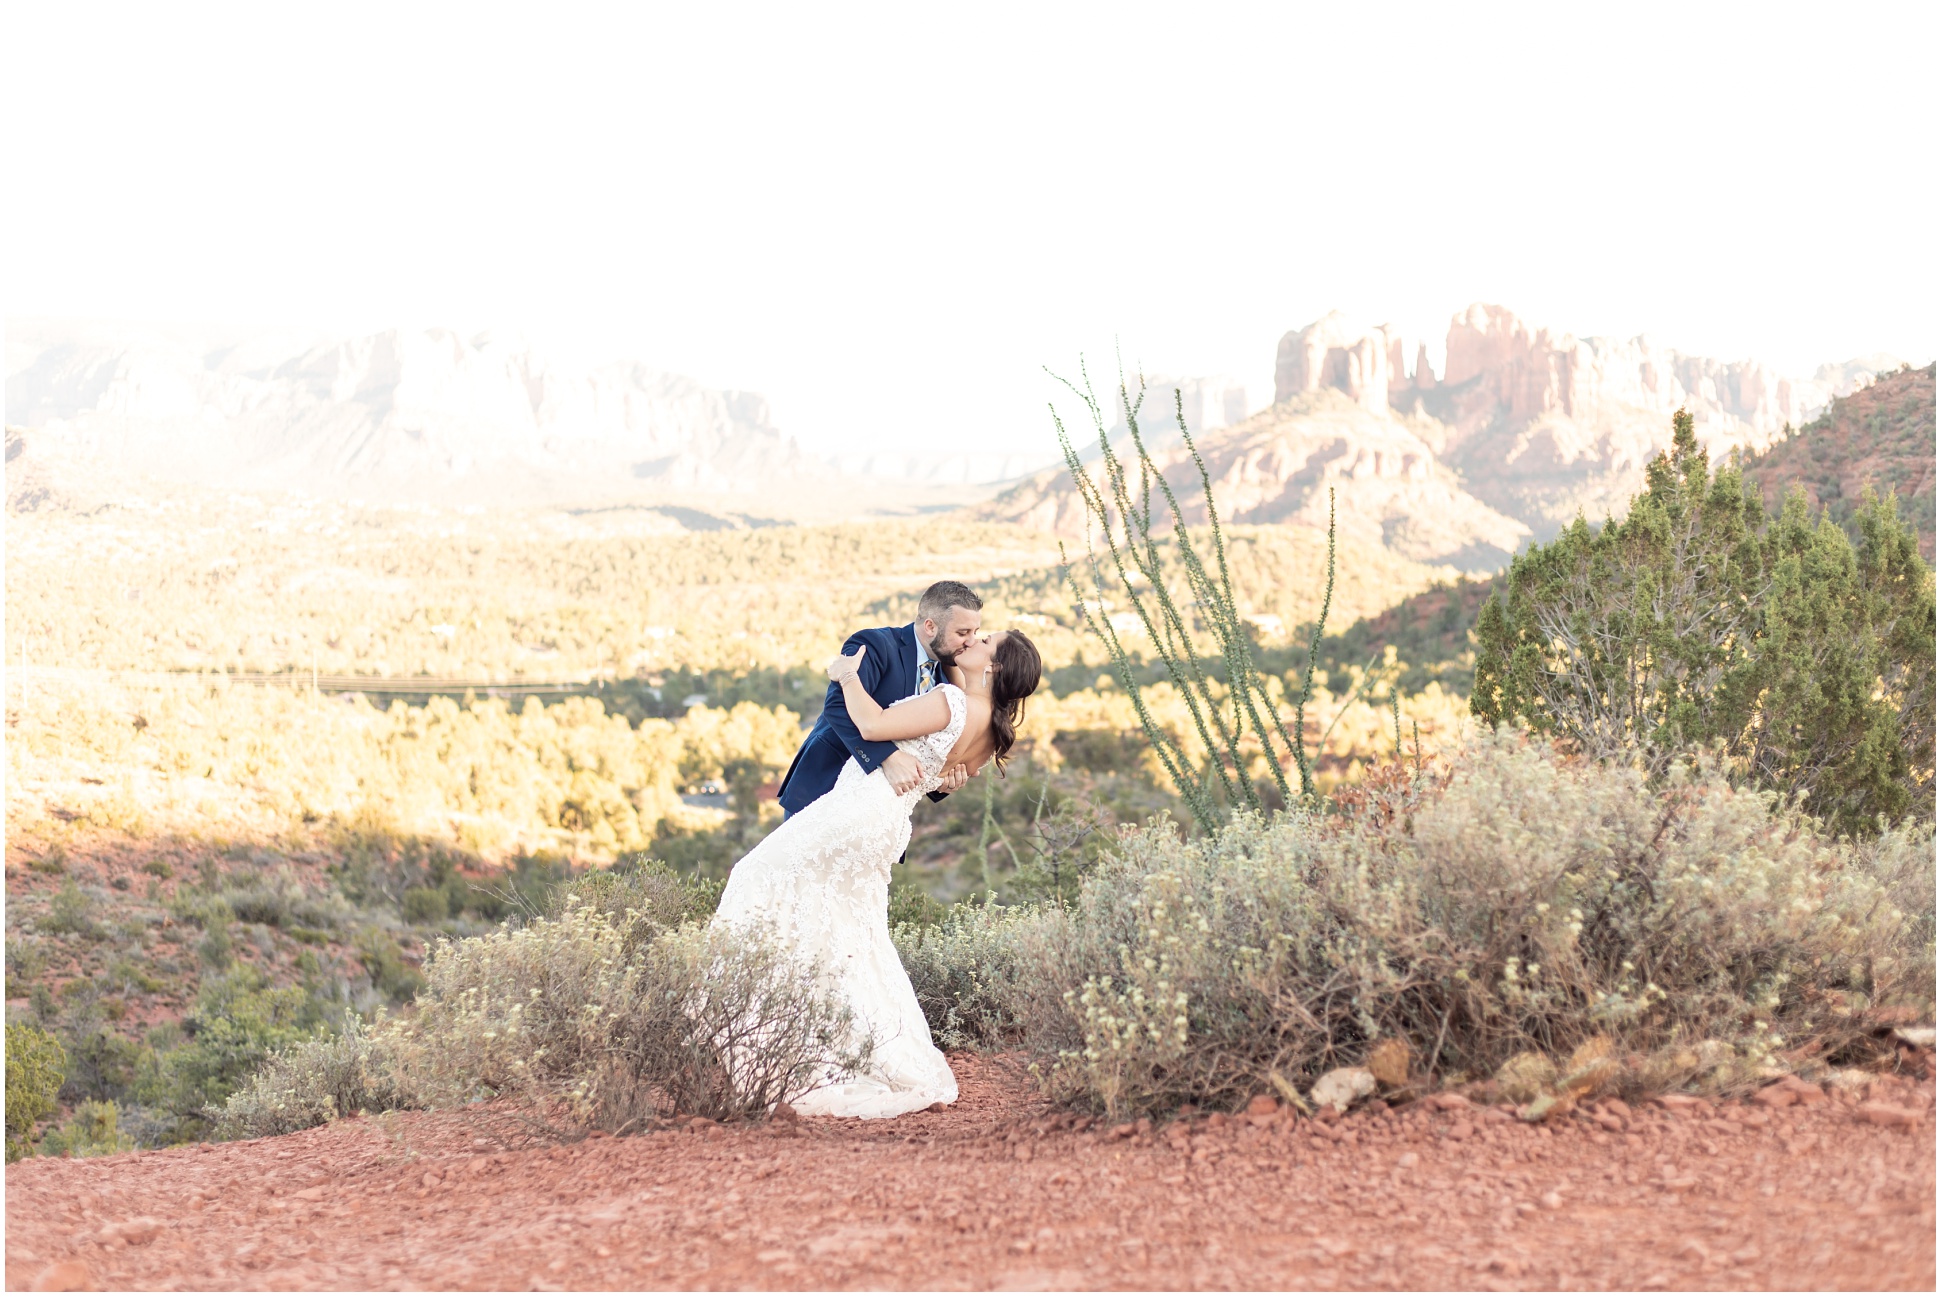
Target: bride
821,880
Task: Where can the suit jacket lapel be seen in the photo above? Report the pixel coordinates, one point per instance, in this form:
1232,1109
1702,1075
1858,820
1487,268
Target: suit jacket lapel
906,640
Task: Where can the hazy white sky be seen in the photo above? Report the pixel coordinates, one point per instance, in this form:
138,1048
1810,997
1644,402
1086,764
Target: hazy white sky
887,218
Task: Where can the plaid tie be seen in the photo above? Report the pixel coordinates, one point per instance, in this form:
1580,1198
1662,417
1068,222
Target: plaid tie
924,680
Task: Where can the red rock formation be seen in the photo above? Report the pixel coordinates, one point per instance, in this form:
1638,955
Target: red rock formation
1539,424
1334,352
1280,464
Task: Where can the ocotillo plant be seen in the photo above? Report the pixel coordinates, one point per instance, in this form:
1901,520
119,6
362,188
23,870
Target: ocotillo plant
1120,515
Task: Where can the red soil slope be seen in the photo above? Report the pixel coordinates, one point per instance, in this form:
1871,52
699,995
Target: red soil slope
1832,1194
1881,436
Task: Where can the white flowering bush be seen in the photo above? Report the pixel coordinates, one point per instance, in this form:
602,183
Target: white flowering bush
314,1082
584,1019
1519,901
596,1020
986,971
1902,861
726,1024
523,1012
645,897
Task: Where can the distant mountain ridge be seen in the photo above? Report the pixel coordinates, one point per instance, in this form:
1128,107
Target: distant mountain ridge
1526,428
417,413
1277,467
1881,436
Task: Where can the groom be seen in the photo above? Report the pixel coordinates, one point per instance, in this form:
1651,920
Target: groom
902,660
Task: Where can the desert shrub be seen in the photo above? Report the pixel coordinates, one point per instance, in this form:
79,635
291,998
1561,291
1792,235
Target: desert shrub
131,975
26,961
71,911
600,1015
215,948
1520,901
101,1062
384,962
35,1071
93,1131
1063,845
587,1020
708,853
425,905
986,975
653,891
237,1022
200,907
726,1025
914,906
1902,862
314,1082
527,888
280,901
1029,836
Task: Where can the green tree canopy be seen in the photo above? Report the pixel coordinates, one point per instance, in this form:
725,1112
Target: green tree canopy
1699,620
35,1069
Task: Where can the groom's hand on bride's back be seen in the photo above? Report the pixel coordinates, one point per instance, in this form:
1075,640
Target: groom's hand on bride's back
953,779
902,770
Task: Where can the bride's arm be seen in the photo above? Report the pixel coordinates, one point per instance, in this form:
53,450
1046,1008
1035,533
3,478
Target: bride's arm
910,719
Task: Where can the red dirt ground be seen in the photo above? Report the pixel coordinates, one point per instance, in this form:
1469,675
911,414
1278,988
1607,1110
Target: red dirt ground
982,1196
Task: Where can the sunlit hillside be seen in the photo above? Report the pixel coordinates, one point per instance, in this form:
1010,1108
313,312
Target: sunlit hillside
1881,437
245,584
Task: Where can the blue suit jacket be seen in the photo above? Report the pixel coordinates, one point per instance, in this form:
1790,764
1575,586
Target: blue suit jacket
889,674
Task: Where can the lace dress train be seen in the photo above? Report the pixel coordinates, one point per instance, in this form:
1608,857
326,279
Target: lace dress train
822,881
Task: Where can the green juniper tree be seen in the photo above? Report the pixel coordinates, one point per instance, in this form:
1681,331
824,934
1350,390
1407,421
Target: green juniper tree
36,1068
1700,620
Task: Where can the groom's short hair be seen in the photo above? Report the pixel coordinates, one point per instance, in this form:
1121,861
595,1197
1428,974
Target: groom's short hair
943,596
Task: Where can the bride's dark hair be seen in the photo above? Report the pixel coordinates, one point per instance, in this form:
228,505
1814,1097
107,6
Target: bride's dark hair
1015,671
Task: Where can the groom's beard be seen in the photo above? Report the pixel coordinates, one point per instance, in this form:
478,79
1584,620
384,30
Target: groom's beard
937,652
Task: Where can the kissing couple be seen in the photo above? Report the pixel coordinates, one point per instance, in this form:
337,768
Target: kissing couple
911,711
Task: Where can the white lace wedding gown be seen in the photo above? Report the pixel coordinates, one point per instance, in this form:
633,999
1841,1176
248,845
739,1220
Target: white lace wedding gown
822,880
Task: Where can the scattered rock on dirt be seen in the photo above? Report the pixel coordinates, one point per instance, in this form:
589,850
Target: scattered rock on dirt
140,1230
63,1276
1340,1088
1886,1114
1526,1076
1388,1062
